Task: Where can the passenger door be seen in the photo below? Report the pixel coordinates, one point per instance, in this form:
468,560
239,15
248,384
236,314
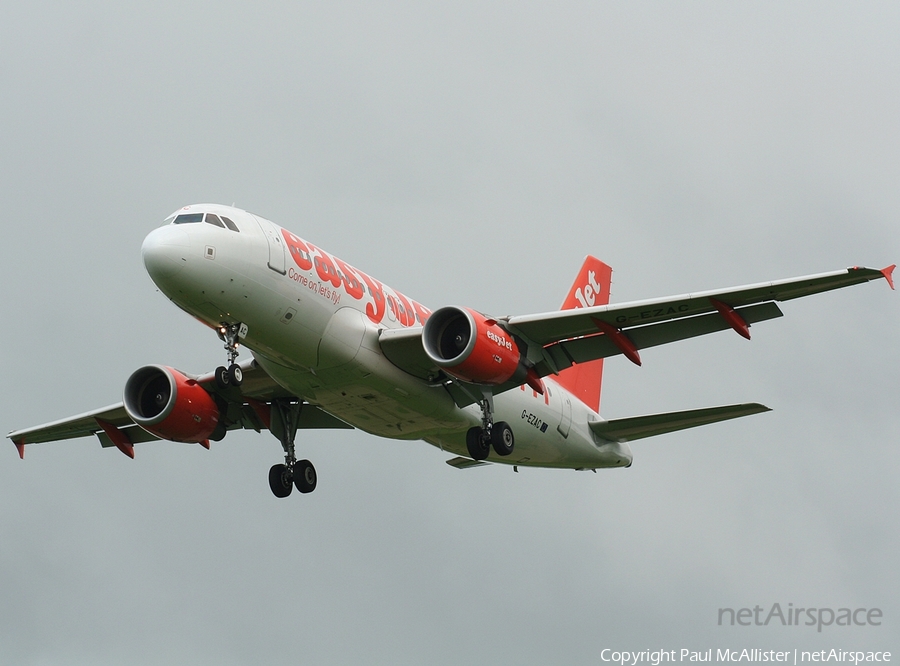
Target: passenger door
276,245
566,420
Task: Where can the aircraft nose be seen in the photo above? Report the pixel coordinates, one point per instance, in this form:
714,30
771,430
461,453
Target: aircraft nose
165,252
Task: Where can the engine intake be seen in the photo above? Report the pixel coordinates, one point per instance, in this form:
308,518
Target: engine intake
166,403
471,347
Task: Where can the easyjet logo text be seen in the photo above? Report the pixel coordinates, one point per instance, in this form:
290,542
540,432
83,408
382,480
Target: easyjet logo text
588,297
500,340
333,275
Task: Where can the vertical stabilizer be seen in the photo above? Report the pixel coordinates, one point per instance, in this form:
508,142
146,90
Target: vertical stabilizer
590,288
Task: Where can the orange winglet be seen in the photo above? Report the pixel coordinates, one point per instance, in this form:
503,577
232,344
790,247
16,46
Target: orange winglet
734,320
20,445
888,274
205,444
119,438
619,339
263,411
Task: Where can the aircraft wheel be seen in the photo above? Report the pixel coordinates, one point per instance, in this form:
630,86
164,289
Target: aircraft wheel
305,476
476,444
280,480
235,374
223,378
502,438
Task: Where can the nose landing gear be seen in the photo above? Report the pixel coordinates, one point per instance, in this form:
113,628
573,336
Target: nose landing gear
282,419
232,375
299,473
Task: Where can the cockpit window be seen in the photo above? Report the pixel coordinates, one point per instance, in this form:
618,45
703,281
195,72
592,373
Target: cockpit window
169,219
214,219
217,220
188,218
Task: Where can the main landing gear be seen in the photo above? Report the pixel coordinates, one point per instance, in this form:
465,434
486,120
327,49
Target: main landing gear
232,375
299,473
479,440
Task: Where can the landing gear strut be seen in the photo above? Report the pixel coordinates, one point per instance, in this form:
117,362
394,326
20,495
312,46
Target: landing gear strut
232,374
499,435
299,473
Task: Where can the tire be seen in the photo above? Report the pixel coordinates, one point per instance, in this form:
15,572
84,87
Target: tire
305,477
235,374
280,481
478,448
502,438
222,377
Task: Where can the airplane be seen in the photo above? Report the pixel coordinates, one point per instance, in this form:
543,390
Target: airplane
332,347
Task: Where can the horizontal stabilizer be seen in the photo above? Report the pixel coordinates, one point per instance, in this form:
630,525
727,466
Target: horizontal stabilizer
638,427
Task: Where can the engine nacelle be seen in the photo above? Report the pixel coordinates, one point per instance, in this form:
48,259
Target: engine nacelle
169,405
471,347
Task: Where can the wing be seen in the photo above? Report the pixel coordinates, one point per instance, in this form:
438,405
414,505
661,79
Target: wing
243,406
553,326
556,340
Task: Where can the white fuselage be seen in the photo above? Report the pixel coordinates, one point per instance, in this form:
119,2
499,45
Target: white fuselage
313,325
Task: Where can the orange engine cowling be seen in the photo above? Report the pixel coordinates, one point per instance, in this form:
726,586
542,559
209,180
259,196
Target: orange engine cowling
471,347
169,405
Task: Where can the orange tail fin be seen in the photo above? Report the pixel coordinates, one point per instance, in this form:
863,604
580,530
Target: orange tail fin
590,288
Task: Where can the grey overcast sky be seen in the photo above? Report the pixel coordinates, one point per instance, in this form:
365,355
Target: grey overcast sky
465,153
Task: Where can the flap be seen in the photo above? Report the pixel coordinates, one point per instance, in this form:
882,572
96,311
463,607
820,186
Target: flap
592,347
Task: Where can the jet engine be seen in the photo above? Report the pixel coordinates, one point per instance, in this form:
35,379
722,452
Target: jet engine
169,405
472,347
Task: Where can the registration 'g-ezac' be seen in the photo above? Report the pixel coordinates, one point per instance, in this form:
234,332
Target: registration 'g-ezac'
333,347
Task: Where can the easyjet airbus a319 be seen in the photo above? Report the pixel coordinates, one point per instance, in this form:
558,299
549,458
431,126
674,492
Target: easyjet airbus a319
333,347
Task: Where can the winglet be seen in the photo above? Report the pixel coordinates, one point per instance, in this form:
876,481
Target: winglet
20,445
888,274
119,438
205,444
